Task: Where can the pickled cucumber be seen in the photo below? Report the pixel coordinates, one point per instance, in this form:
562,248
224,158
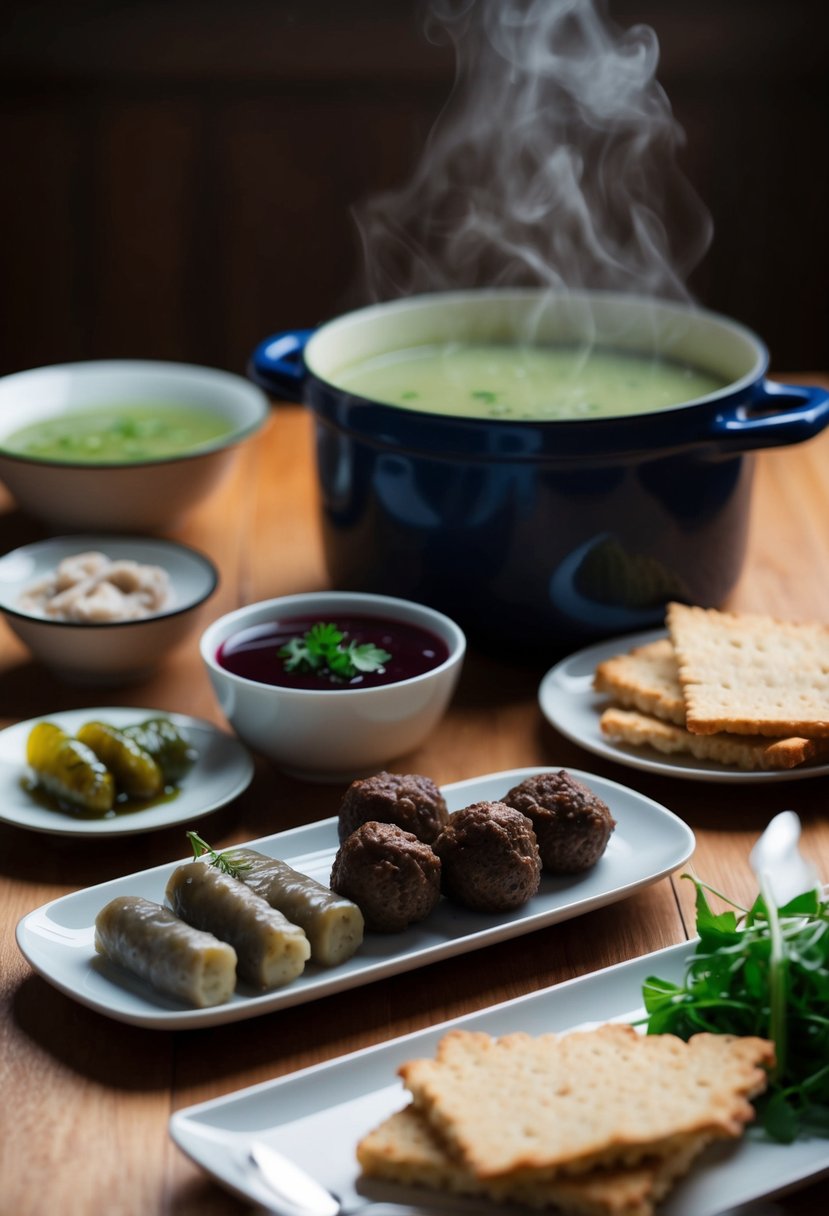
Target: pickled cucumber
165,743
135,771
69,770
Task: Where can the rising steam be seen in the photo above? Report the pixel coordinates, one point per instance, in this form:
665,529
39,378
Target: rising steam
552,164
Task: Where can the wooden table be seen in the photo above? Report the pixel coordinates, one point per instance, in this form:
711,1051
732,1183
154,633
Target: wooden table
86,1100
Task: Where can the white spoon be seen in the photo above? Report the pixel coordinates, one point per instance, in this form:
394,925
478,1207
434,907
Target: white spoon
782,869
296,1193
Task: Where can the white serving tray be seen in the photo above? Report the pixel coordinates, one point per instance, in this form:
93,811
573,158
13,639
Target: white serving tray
336,1103
57,939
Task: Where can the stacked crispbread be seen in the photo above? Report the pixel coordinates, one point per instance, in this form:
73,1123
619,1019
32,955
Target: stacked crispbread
593,1123
737,688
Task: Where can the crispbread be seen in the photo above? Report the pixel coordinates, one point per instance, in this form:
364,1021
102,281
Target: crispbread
405,1149
746,752
645,678
750,674
526,1108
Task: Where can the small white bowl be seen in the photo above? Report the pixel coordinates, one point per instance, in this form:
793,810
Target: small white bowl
114,652
141,496
334,734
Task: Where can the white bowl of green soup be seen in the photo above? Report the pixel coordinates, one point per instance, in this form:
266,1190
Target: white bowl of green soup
121,445
545,468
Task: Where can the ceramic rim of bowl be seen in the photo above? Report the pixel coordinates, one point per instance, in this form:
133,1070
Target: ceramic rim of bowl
237,434
199,558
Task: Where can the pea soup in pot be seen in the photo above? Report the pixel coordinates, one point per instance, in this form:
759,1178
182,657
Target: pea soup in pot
555,383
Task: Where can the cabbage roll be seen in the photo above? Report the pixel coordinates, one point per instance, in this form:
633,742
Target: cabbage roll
333,924
270,950
173,957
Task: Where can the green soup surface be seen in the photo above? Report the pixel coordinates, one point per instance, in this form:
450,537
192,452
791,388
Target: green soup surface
525,382
118,434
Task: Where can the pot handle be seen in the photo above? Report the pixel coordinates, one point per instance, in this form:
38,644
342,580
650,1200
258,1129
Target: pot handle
277,364
807,416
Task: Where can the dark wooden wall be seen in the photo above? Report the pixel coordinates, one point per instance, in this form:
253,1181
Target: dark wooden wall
176,177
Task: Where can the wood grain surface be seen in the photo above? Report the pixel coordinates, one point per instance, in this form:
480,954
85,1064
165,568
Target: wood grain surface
86,1100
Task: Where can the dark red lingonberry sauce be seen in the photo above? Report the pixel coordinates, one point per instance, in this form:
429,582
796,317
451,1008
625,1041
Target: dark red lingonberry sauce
253,653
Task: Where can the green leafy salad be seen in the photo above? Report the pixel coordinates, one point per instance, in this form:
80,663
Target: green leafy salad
761,971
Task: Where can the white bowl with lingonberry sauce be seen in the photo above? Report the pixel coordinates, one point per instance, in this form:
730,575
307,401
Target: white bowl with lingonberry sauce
325,709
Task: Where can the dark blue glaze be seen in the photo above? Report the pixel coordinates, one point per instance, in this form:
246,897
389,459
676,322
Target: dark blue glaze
541,535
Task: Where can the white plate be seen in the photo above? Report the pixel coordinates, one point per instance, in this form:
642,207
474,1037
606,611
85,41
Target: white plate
57,939
570,704
336,1103
222,770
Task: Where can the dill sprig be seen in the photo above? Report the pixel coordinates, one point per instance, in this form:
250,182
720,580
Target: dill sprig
222,861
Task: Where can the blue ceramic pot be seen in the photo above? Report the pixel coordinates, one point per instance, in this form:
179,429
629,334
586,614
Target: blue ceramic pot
545,534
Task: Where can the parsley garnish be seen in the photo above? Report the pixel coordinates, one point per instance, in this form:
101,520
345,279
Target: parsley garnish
222,861
761,971
324,650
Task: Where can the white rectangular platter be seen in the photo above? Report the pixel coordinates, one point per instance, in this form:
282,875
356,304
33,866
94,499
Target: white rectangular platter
58,939
335,1104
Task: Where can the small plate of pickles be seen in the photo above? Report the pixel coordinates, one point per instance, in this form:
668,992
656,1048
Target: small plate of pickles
116,771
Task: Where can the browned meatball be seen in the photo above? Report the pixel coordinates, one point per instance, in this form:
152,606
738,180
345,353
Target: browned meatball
489,858
571,823
414,803
391,876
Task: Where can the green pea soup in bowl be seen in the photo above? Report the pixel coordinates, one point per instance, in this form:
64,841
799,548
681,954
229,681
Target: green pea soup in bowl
121,445
120,433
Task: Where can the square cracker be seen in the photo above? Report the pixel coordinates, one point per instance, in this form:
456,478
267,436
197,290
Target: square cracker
749,674
750,753
645,678
525,1108
405,1149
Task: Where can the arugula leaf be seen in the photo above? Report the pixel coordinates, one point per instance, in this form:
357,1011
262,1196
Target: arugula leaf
323,649
780,1120
709,923
760,971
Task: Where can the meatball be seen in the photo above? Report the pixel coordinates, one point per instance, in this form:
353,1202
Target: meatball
489,858
414,803
571,823
393,877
